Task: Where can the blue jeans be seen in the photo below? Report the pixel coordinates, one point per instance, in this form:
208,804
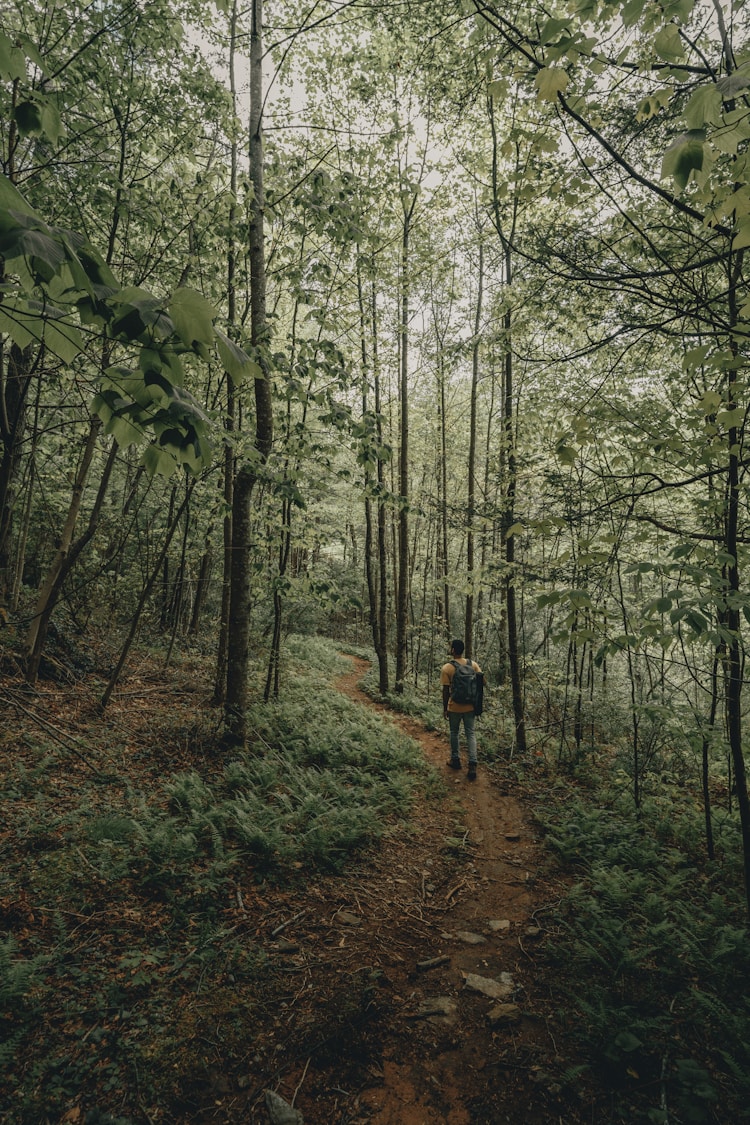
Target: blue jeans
454,720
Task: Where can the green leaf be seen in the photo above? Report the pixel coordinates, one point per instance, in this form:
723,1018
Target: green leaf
236,362
735,83
28,117
192,316
731,418
632,12
52,126
704,107
550,81
158,460
693,359
12,60
11,198
655,101
552,29
741,237
139,315
26,236
668,44
30,322
710,403
684,155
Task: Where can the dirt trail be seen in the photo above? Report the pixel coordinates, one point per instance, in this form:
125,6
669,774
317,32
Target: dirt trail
464,895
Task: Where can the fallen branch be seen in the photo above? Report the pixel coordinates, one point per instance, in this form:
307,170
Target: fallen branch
57,735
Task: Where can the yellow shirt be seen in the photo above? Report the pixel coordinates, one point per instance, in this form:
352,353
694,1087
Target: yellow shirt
447,673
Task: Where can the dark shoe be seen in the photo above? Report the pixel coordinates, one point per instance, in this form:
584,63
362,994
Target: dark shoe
472,771
454,763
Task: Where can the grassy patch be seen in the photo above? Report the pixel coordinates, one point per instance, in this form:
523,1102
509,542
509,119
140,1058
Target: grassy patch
133,958
651,956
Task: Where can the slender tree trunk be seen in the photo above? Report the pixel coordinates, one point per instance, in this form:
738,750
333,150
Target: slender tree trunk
239,615
734,676
514,655
222,653
509,435
145,595
381,645
444,559
67,553
16,373
202,584
705,748
471,499
370,579
402,592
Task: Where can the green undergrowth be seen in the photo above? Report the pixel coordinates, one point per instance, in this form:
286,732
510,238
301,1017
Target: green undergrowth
651,956
417,705
128,927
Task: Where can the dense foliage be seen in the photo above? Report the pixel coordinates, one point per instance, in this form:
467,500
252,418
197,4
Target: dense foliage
497,388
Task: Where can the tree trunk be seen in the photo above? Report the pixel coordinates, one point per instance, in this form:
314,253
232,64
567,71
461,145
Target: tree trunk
68,551
381,644
222,652
444,559
145,595
16,373
239,610
471,499
402,591
734,673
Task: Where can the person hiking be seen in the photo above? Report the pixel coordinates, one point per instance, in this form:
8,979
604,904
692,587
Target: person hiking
462,683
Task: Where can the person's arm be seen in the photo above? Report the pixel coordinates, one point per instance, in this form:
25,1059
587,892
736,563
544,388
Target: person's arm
446,698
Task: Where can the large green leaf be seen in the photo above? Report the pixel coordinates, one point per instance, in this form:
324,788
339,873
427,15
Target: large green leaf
12,60
685,155
24,236
11,198
235,361
550,81
704,107
193,317
30,322
139,316
668,44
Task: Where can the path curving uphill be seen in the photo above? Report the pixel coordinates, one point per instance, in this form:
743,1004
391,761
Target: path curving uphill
465,1037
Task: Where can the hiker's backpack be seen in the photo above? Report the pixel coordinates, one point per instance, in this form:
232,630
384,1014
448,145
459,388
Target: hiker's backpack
464,688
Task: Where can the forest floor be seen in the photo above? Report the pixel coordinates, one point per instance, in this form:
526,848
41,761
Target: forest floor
408,990
467,893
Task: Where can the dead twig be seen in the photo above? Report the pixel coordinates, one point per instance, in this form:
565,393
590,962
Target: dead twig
302,1079
288,922
56,735
455,890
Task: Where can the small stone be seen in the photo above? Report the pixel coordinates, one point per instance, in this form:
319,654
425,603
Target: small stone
504,1013
436,1007
280,1112
469,938
499,924
496,989
433,963
533,931
512,835
348,918
285,946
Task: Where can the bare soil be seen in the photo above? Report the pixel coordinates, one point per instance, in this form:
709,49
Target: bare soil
468,891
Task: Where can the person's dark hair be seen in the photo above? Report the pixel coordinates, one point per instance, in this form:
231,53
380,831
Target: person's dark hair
457,647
